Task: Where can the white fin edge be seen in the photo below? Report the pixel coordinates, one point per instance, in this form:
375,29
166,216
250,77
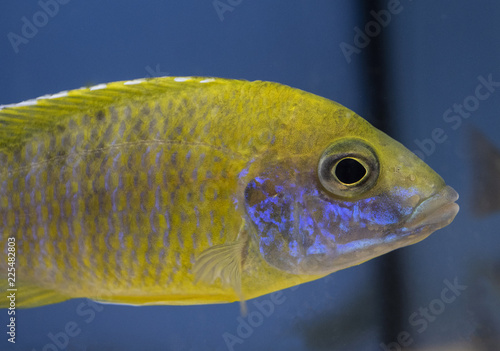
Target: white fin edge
64,93
32,102
98,87
182,79
135,81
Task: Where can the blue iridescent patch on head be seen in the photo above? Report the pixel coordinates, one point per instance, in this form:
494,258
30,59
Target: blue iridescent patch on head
302,229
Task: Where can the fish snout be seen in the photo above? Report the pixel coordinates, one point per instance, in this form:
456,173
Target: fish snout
438,210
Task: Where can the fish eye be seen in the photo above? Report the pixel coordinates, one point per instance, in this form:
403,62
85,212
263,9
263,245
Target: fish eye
348,168
349,171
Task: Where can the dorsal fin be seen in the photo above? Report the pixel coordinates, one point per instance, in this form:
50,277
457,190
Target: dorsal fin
18,121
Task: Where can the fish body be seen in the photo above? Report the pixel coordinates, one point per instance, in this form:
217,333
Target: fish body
200,190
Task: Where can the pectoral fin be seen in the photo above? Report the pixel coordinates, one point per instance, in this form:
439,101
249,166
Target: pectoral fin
225,262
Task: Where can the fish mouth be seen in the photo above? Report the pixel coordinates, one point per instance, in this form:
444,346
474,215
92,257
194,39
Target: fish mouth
437,211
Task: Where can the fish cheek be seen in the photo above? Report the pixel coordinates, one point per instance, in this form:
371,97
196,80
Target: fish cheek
270,209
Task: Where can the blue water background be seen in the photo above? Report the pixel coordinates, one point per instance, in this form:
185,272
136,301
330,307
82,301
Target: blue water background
437,51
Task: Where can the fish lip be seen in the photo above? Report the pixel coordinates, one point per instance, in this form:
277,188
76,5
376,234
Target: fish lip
438,210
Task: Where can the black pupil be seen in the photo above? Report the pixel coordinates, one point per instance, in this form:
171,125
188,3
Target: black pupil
349,171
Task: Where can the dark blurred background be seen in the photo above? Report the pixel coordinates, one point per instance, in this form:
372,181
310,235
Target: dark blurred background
410,67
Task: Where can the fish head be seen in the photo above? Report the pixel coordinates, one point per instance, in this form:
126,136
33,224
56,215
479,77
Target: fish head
361,196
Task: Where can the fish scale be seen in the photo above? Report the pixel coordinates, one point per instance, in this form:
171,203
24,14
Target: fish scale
97,174
117,128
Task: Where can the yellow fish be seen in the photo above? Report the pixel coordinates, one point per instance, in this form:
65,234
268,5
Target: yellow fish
199,190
